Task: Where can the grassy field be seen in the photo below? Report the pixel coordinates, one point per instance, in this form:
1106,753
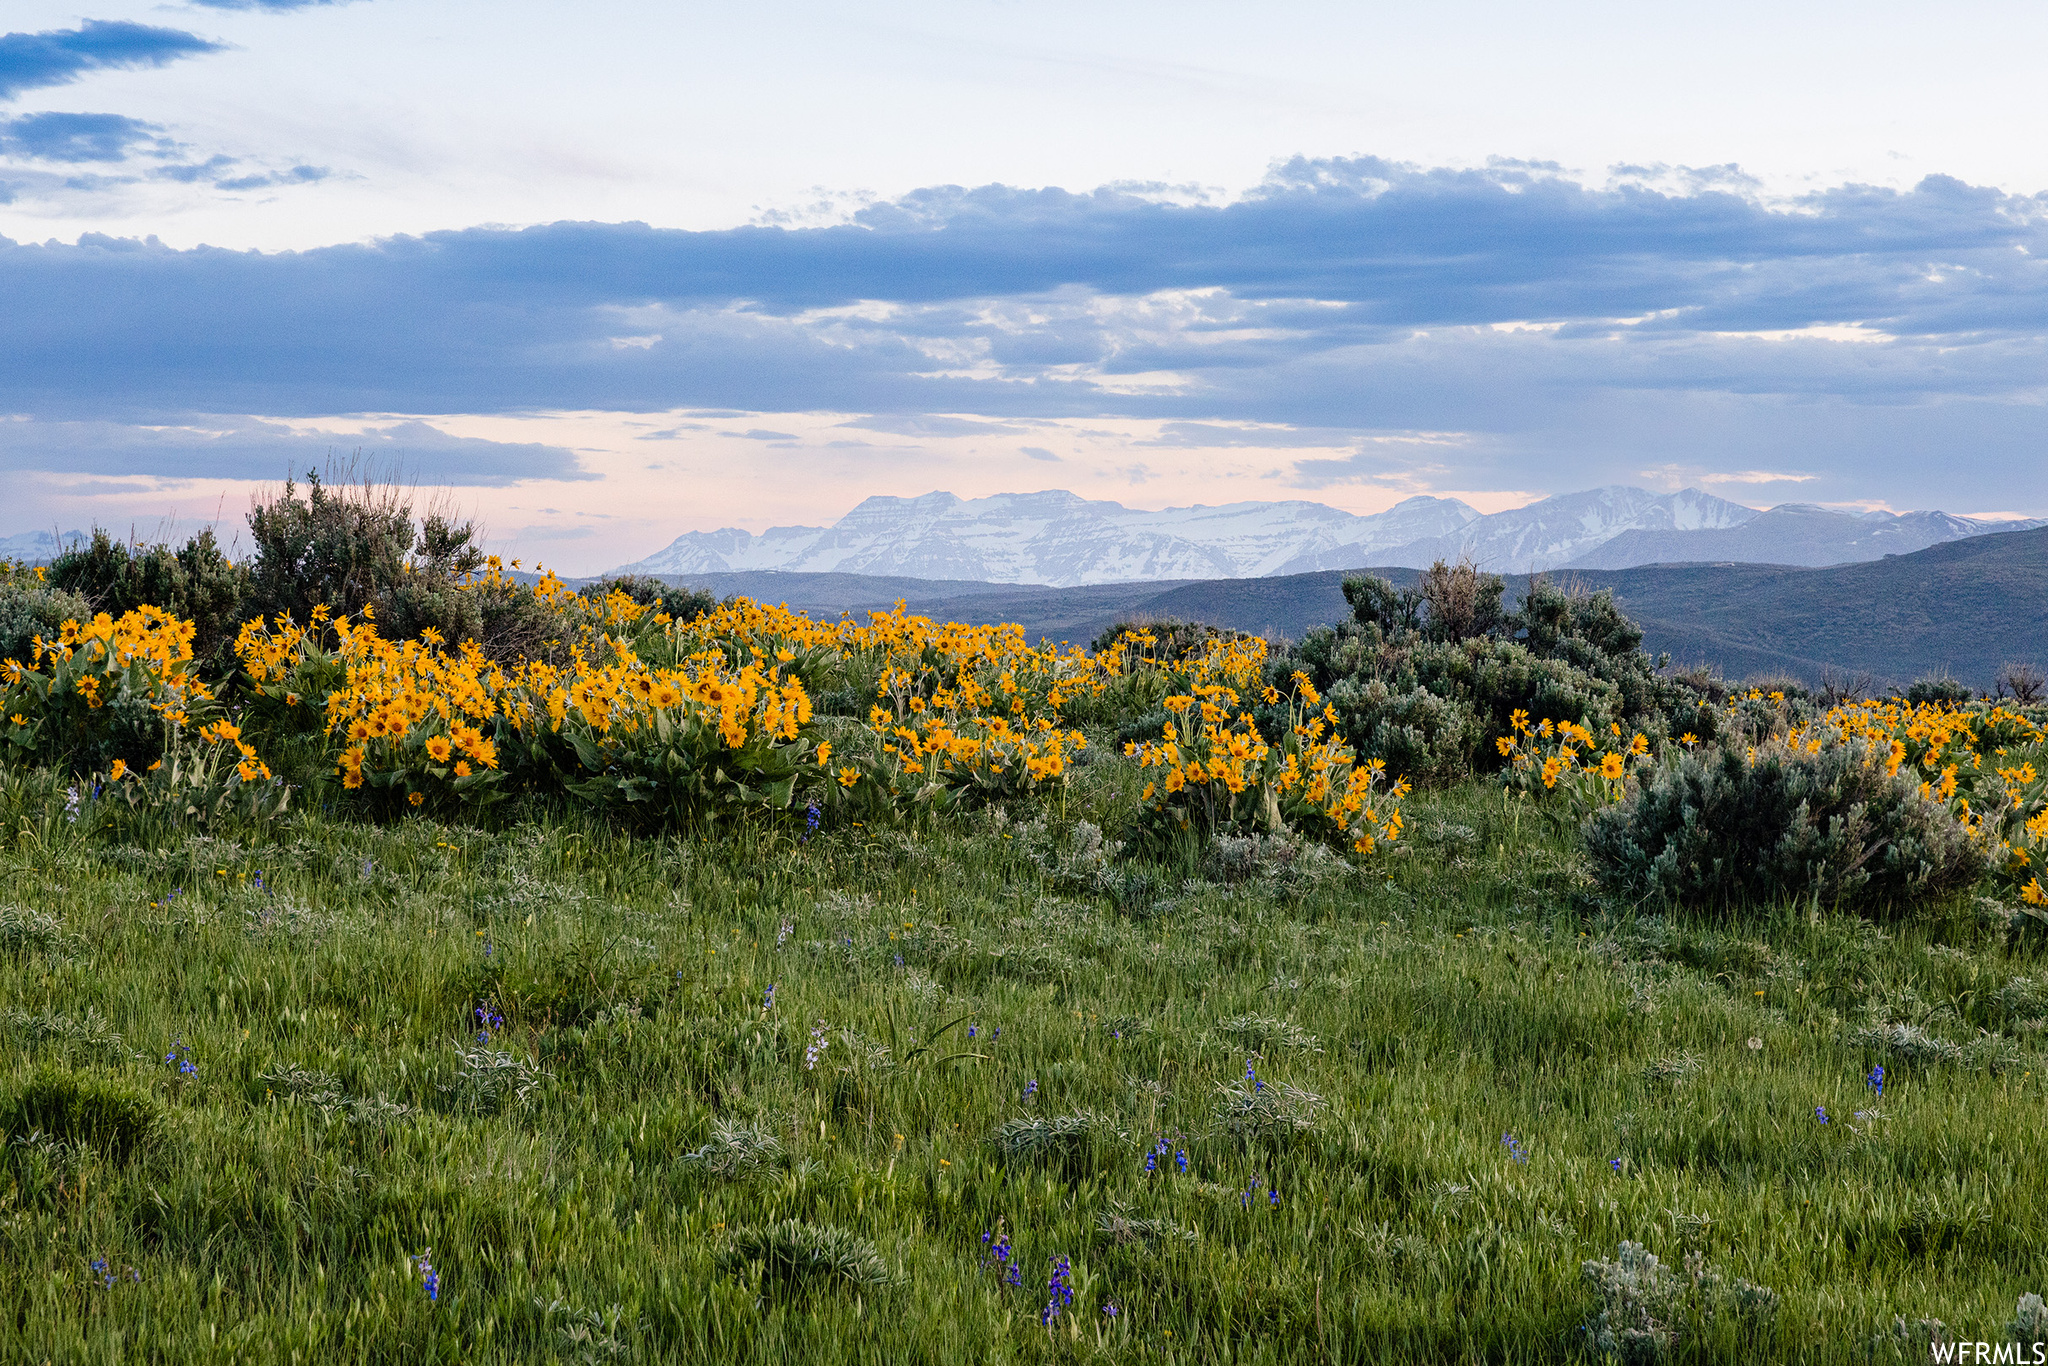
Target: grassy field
244,1091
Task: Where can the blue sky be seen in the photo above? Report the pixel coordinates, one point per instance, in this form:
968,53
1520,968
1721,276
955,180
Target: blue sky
630,270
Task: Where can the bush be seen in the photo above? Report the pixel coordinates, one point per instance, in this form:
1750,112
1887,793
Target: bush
195,583
1430,738
1432,709
1938,689
29,608
2024,683
1430,679
1841,826
357,549
1643,1310
661,598
1462,602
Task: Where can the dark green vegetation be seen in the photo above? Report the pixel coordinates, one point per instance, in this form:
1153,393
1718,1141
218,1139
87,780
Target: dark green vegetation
1966,608
1724,829
348,543
636,1163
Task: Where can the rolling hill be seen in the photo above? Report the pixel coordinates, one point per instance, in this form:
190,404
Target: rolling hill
1964,607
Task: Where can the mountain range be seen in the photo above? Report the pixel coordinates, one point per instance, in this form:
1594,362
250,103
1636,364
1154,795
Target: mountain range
1964,607
1063,540
37,547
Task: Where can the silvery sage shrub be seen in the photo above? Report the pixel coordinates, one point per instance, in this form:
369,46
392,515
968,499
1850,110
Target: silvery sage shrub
1644,1309
1839,826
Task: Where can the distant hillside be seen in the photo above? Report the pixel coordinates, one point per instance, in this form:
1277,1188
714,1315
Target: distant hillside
1964,607
1793,533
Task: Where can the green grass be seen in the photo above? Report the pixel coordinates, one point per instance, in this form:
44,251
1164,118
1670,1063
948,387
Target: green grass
675,1185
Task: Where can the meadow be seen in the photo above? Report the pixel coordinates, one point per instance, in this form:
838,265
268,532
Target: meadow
990,1050
730,987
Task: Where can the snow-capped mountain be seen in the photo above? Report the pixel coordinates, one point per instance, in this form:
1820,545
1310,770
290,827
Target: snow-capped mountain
38,547
1062,539
1558,530
1794,533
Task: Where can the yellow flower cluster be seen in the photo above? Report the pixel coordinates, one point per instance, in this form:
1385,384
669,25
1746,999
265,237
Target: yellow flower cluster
623,698
1214,770
250,768
417,710
148,645
1551,752
1991,752
985,753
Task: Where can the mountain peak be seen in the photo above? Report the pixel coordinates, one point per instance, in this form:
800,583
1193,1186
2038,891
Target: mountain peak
1056,537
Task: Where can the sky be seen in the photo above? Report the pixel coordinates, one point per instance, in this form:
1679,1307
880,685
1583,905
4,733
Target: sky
611,272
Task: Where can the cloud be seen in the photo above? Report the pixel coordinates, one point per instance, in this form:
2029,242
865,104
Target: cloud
934,424
1038,453
75,137
1503,322
218,447
29,61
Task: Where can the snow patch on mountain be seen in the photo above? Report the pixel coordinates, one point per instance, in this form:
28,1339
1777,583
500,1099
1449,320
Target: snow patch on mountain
1062,539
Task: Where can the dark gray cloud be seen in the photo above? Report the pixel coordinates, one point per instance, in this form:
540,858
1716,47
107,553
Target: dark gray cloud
1569,334
29,61
216,447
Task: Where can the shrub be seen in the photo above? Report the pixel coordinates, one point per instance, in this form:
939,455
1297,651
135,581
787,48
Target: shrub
676,602
1428,737
1462,602
1936,690
1377,603
1431,709
1987,763
29,608
354,550
195,583
1429,679
2029,1321
1841,825
2024,683
88,1111
1643,1309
